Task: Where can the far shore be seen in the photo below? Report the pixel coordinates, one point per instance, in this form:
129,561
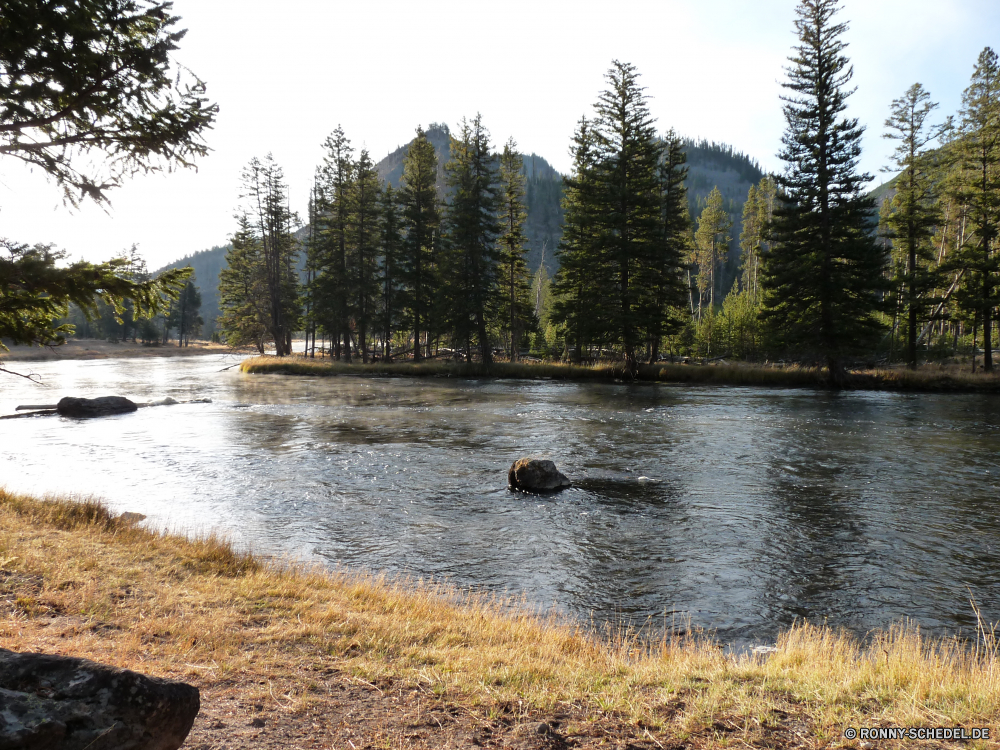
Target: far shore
103,349
928,378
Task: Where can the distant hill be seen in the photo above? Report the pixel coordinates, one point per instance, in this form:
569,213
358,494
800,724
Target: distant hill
206,265
709,165
543,227
718,165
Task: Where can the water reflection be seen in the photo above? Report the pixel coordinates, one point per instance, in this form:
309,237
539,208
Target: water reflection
746,508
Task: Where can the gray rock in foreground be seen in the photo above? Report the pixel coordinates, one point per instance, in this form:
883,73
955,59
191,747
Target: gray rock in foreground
50,702
95,407
535,475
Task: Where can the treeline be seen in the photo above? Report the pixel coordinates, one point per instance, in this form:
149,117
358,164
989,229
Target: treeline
389,272
828,276
914,276
824,274
181,316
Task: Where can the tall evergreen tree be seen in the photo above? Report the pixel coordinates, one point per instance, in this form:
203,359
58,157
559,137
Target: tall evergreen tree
823,277
757,213
363,239
914,212
184,314
663,291
978,152
421,221
580,287
243,295
313,262
391,241
266,210
472,230
334,293
712,244
625,227
629,155
516,310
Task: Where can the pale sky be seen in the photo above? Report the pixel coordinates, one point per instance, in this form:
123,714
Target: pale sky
285,74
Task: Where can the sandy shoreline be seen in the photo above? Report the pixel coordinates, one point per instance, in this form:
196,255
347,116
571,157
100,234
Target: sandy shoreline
101,349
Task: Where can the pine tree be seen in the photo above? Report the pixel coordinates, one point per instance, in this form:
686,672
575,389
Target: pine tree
243,296
978,152
629,155
334,292
516,310
421,221
823,277
391,241
266,212
313,263
663,292
625,227
472,229
757,213
580,285
712,244
541,307
914,212
184,314
363,239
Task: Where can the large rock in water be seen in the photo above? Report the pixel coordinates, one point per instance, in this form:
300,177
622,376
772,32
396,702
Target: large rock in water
52,702
535,475
94,407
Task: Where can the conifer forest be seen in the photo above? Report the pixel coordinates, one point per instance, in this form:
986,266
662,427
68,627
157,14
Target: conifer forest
461,247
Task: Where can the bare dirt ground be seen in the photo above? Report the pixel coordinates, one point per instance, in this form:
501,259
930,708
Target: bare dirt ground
324,708
101,349
346,713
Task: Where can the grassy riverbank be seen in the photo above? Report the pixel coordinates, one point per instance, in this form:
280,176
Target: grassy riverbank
930,378
344,659
101,349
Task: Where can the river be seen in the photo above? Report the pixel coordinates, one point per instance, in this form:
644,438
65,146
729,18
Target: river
743,509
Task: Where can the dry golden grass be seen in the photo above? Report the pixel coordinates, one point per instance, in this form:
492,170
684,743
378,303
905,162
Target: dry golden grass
72,574
928,378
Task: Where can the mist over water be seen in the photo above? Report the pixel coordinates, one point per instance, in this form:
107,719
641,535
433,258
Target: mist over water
758,506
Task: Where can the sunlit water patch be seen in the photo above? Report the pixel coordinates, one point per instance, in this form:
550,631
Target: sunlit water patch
743,508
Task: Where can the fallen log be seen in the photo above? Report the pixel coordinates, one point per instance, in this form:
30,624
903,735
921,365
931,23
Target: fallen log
36,410
30,414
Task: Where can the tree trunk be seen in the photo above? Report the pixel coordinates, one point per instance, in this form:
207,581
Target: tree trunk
975,331
911,334
838,376
987,322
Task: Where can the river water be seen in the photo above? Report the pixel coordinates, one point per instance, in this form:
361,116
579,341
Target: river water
741,508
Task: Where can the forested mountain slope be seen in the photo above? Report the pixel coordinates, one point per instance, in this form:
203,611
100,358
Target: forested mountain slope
713,165
543,227
206,264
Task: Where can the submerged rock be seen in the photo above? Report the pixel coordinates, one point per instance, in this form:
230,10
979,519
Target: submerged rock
104,406
535,475
63,703
165,401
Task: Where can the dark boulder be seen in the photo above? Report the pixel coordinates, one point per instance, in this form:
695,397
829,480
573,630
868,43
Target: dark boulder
61,703
535,475
94,407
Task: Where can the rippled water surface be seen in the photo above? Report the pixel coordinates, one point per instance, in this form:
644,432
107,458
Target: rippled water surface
757,507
